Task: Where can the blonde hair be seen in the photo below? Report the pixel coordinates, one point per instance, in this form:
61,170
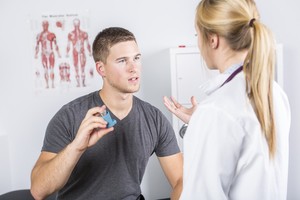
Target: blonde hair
238,22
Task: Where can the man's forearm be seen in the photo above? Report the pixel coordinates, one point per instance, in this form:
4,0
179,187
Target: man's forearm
175,195
50,175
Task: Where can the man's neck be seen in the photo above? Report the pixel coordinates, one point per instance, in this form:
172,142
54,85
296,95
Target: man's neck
119,104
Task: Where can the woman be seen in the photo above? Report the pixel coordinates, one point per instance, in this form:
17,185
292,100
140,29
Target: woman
236,144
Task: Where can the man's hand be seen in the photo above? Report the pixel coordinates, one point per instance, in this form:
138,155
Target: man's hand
92,129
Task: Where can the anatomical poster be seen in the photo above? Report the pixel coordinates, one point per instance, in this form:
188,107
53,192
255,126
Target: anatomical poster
61,51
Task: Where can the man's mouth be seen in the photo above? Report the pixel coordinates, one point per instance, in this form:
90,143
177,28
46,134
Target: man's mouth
133,79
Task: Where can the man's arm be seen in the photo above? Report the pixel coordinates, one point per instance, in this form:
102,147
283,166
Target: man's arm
52,171
173,169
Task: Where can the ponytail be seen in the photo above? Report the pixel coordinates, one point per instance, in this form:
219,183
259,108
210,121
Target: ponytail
259,70
237,21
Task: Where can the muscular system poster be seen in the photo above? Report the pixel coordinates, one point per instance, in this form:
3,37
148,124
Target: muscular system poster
61,51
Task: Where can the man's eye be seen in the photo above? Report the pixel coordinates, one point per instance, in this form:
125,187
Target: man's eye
137,58
122,61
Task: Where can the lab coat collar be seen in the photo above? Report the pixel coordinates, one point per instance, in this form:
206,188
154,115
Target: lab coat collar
215,83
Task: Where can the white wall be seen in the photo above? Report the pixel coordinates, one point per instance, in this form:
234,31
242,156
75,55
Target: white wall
5,162
157,25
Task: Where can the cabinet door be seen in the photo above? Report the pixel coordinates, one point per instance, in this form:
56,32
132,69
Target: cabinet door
188,72
191,73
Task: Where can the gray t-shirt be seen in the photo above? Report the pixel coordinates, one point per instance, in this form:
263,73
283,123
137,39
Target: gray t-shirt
114,167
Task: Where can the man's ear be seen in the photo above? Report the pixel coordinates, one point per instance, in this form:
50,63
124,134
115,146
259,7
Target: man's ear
100,68
214,41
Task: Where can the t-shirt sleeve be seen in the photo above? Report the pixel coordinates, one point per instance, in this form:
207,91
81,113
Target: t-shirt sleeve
58,134
167,143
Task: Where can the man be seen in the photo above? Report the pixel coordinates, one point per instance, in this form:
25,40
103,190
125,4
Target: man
82,159
47,40
78,38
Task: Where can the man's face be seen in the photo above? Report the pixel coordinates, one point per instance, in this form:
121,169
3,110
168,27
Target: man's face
123,67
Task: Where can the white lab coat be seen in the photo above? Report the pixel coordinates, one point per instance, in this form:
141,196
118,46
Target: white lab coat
225,154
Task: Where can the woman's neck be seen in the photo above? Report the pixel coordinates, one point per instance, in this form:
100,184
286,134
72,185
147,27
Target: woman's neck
231,58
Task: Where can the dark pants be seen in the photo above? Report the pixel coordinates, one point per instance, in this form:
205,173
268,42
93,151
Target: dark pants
141,197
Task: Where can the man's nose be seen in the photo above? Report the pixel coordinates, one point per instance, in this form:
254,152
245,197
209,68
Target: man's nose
133,65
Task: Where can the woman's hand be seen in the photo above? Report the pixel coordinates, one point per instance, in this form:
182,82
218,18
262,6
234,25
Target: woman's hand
180,111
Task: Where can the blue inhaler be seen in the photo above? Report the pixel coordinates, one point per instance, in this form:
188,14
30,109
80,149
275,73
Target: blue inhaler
106,116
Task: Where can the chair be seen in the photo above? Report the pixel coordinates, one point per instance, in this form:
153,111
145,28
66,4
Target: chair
22,195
